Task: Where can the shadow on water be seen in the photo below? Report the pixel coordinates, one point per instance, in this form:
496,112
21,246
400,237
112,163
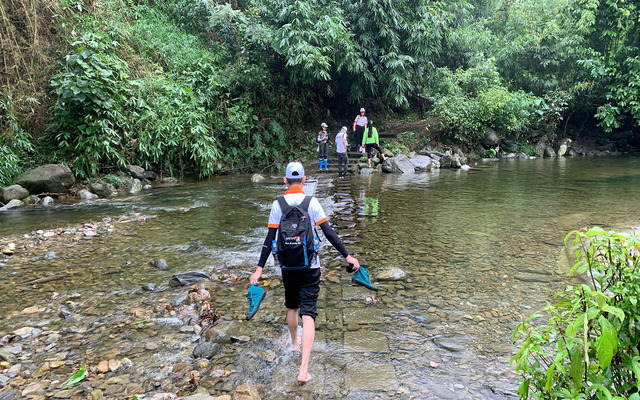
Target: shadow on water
479,249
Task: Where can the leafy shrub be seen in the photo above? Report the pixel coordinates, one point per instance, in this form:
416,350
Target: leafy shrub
14,141
88,114
477,100
114,180
587,346
174,131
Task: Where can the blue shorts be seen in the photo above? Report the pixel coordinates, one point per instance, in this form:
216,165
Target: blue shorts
301,289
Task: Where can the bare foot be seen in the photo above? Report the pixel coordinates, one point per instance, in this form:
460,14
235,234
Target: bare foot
304,377
295,347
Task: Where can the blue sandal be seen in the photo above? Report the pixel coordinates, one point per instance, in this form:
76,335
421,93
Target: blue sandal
255,295
361,277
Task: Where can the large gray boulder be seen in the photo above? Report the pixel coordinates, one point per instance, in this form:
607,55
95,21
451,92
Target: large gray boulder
136,186
13,192
563,147
84,194
399,164
540,148
491,138
445,161
421,163
49,178
136,171
549,152
103,189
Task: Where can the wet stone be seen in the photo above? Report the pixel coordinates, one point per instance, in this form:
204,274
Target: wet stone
366,315
366,342
372,377
451,342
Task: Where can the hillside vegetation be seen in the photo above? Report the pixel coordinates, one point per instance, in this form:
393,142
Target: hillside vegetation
201,87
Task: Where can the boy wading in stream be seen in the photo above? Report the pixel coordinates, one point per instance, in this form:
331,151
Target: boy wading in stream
291,216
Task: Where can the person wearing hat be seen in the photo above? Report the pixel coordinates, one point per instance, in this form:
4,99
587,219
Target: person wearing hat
341,152
322,139
301,286
370,141
358,127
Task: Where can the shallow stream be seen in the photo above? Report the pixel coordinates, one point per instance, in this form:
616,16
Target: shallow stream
480,249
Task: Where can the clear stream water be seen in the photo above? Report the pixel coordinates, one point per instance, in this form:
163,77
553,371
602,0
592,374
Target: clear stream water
480,248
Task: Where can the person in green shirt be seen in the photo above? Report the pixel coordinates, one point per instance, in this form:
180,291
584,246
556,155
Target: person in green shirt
370,141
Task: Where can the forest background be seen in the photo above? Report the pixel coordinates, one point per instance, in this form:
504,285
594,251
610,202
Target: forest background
200,87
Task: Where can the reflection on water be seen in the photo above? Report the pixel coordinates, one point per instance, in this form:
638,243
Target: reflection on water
480,249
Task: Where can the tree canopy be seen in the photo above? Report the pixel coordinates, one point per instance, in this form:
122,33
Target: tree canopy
203,87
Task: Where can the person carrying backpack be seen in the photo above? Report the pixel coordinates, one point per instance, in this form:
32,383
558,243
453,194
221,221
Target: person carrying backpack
294,217
370,141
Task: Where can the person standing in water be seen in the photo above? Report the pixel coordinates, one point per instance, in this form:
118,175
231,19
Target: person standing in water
301,283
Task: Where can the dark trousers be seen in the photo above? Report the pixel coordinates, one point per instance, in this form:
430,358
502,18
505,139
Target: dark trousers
343,163
370,146
322,151
359,135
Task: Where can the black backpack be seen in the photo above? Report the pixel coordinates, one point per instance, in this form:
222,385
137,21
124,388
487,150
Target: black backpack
296,236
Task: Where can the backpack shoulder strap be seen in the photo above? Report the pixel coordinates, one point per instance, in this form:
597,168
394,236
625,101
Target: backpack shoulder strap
284,206
305,203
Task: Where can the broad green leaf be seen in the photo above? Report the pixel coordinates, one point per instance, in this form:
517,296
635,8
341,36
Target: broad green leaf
577,368
615,311
78,376
606,343
572,328
635,366
603,390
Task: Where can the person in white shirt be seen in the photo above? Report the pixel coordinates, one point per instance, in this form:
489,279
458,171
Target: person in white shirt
341,149
358,127
301,286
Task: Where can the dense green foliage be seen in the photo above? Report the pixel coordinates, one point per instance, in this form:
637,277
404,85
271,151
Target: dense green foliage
586,347
14,141
203,87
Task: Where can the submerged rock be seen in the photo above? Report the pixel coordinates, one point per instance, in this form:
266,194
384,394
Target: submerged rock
205,350
12,204
394,274
189,278
257,178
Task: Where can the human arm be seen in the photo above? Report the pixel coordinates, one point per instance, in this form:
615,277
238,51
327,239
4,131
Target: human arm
264,254
333,238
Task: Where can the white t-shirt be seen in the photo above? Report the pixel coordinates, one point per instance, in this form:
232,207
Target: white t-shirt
361,121
340,142
294,196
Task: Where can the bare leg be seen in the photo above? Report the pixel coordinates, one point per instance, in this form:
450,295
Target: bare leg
292,322
308,336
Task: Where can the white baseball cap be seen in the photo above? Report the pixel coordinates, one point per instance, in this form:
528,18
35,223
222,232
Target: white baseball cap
295,170
362,110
